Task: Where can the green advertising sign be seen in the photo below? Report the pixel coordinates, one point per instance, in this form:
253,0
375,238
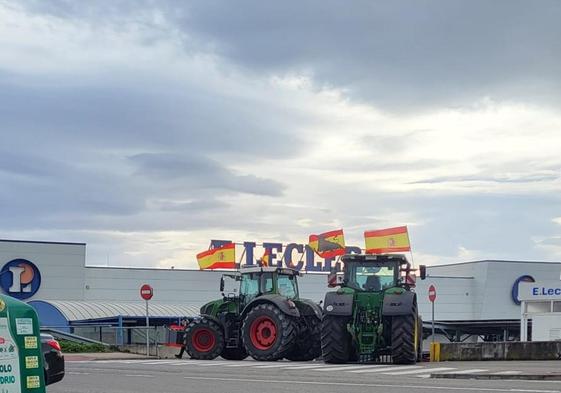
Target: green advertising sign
21,360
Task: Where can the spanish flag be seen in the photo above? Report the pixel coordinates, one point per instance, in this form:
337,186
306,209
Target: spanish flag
218,258
383,241
266,258
328,244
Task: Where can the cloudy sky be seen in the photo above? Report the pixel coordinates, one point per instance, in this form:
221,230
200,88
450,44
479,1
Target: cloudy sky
146,128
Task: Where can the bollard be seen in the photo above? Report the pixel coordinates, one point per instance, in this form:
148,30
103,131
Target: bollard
435,352
21,358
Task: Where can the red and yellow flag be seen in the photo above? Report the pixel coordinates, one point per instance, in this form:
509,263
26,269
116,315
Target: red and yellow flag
328,244
383,241
266,258
218,258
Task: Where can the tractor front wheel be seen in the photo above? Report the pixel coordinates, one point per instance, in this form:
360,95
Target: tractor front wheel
405,338
204,339
335,339
267,333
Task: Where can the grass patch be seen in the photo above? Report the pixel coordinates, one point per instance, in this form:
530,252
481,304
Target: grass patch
73,347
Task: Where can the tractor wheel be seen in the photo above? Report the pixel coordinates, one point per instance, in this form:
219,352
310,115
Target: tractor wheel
308,345
405,338
234,353
335,339
267,333
204,339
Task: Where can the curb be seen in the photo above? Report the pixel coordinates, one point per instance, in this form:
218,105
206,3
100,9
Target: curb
531,377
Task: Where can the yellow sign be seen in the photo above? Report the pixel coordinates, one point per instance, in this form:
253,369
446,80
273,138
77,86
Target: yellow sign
30,342
31,362
33,382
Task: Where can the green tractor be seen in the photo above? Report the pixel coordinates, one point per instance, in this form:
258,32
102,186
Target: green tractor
265,319
373,313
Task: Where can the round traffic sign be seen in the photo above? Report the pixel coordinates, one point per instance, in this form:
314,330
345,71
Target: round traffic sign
432,293
146,292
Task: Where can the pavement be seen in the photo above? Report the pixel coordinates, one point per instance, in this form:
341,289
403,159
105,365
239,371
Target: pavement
248,376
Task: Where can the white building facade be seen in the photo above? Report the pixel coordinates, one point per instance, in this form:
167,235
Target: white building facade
471,296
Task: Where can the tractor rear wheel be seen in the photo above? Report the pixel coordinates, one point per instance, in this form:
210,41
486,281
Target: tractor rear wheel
308,345
204,339
405,338
420,340
234,353
268,333
335,339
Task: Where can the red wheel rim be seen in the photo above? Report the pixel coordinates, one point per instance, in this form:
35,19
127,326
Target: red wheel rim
263,333
203,340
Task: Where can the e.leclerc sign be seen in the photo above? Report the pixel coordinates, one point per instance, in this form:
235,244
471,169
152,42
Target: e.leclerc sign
292,255
20,278
540,290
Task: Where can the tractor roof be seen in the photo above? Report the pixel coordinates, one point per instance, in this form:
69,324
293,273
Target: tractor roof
271,269
374,258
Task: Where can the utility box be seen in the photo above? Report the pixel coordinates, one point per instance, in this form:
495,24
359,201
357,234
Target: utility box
21,359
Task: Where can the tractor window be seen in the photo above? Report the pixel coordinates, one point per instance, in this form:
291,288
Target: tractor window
371,278
287,286
267,282
249,286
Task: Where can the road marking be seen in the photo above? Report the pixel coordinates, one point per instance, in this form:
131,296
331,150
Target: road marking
472,371
508,373
424,370
374,385
303,367
350,367
139,375
378,370
237,365
78,373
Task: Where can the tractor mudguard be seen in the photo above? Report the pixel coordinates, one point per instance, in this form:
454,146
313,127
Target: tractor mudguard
398,304
212,318
338,304
308,307
281,302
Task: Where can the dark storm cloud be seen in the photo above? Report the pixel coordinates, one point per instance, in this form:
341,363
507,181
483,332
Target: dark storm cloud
202,172
396,52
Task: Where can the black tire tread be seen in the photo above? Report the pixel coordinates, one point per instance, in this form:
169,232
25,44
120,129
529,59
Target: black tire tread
285,325
210,324
403,341
308,346
335,339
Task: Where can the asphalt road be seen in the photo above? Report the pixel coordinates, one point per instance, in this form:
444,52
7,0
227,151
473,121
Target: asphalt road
169,376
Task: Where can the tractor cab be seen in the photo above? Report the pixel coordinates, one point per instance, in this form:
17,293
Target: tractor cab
252,282
375,273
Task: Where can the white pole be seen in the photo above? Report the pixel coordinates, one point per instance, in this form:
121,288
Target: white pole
523,324
147,331
432,321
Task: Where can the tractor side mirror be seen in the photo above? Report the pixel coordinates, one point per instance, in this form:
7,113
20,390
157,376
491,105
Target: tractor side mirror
221,284
423,271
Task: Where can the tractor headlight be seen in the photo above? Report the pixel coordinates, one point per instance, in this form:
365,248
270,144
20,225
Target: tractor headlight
291,304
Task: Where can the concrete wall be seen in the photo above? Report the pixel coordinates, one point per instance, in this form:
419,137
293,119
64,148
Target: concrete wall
501,351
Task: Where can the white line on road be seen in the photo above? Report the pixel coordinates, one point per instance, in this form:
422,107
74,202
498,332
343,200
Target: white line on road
508,373
378,370
343,368
374,385
472,371
424,370
303,367
139,375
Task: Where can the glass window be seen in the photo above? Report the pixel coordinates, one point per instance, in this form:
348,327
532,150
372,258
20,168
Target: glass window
371,277
539,307
250,285
556,306
287,286
267,282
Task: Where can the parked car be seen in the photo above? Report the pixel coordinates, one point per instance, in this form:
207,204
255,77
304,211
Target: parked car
53,359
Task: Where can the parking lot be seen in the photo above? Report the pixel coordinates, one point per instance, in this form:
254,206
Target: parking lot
150,375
